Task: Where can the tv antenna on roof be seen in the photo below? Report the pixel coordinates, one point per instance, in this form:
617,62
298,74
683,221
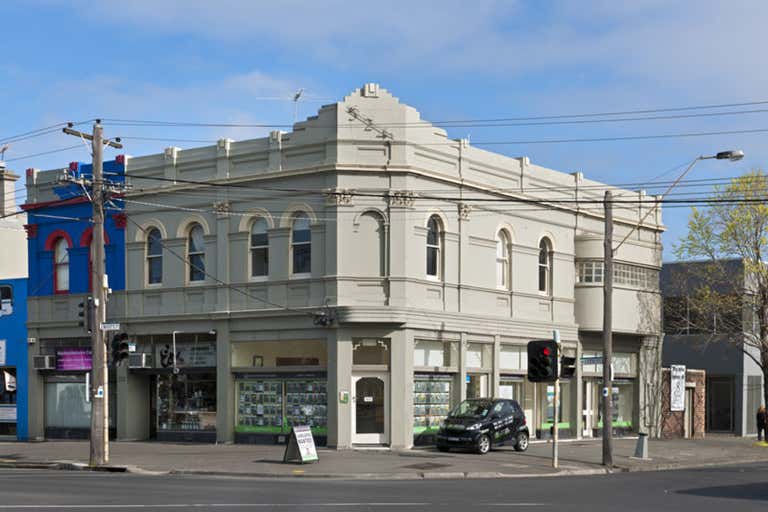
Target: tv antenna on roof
296,97
3,149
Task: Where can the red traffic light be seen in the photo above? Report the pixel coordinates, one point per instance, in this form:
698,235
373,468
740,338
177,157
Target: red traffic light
546,351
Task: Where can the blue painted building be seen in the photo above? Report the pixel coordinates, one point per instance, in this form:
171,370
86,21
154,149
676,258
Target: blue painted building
13,313
59,235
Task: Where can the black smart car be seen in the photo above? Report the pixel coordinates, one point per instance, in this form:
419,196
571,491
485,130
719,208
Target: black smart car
481,423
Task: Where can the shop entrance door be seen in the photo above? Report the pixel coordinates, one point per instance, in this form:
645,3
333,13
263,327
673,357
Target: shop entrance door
370,415
587,415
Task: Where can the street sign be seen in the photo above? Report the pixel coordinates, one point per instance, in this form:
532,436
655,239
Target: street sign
301,446
110,327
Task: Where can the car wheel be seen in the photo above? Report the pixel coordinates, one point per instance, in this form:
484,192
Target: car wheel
522,442
442,448
483,444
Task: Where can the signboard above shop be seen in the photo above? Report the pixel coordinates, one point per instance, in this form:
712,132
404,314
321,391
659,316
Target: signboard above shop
188,355
74,359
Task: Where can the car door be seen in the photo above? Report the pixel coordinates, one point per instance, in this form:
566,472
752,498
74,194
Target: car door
508,427
497,422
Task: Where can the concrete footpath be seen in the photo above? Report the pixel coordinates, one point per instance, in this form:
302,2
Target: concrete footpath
576,458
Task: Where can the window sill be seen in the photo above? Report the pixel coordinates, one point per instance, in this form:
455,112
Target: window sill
258,279
433,278
303,275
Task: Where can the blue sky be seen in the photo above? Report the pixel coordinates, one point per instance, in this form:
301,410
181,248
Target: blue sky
228,61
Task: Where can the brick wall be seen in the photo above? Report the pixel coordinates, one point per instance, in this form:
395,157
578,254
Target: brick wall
673,423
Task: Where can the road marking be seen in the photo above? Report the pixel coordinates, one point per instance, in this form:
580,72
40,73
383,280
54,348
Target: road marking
217,505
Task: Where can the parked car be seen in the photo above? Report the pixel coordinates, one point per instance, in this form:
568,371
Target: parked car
482,423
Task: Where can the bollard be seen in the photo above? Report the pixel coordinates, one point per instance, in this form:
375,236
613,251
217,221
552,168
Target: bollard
641,450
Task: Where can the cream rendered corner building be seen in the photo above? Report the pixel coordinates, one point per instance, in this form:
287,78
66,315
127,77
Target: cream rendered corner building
437,261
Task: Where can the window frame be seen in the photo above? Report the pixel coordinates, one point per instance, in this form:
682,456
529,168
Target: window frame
253,248
201,254
57,290
545,248
299,216
437,247
504,261
150,257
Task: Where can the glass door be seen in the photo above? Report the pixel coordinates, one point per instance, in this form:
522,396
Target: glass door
370,417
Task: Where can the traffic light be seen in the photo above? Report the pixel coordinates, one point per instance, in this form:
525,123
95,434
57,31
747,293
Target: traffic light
86,314
120,348
567,367
542,361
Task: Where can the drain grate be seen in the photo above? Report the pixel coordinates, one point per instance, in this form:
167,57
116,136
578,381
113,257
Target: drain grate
426,465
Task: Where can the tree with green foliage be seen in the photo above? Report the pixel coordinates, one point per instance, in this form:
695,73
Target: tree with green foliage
724,295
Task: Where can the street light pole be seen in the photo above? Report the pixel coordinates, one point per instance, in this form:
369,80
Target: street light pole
609,251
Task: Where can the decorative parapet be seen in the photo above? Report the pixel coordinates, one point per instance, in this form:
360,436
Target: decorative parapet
401,199
339,197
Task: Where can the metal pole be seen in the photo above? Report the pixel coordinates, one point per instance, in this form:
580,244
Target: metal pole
608,331
555,430
99,405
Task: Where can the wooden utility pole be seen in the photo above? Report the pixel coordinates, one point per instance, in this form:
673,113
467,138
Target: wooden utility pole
556,418
608,331
99,383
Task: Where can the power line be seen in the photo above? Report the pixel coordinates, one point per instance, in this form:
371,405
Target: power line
522,121
219,281
59,150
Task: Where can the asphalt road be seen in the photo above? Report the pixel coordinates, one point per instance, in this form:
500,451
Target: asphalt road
729,488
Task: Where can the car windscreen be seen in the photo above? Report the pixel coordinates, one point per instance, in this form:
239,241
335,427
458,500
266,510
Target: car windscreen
472,409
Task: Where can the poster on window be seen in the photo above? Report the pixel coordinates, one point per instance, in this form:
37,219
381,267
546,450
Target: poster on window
677,387
10,381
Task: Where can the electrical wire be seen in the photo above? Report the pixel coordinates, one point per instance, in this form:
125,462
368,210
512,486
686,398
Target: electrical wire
219,281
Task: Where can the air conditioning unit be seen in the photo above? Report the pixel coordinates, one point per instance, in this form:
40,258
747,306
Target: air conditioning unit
140,361
44,362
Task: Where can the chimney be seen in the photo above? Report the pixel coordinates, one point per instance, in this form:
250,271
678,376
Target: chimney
8,190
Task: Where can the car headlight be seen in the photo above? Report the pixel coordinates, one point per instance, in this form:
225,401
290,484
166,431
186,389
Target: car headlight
476,426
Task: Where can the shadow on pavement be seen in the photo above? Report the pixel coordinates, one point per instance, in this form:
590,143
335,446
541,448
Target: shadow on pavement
754,491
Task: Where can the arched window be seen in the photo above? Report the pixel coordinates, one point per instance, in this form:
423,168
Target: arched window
503,268
259,248
434,246
196,253
154,256
545,266
301,244
61,265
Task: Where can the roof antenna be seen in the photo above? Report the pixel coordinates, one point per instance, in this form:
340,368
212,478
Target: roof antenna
296,104
3,149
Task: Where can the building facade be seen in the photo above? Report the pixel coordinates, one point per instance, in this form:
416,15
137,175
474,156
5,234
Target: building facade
364,273
734,382
13,313
59,235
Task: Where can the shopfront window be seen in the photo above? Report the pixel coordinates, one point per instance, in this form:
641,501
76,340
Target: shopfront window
435,354
622,396
548,406
479,355
512,388
477,385
65,405
275,354
513,358
186,402
274,405
431,404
